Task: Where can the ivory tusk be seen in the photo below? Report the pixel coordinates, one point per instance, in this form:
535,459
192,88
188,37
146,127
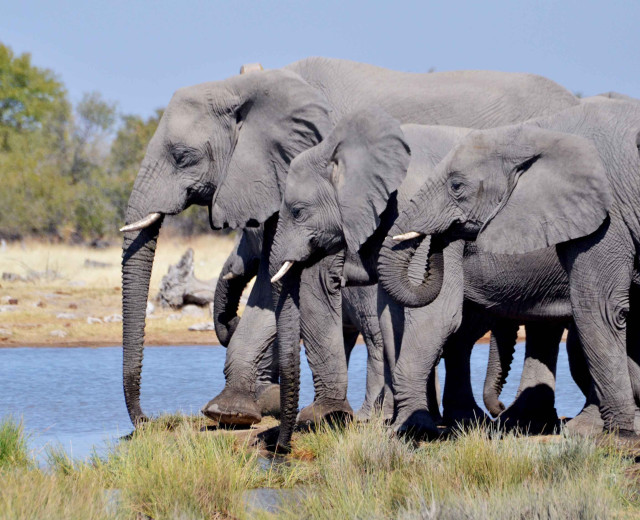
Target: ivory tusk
230,276
142,223
283,270
407,236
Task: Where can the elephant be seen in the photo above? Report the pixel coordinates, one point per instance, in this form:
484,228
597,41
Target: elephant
227,145
568,181
344,195
359,317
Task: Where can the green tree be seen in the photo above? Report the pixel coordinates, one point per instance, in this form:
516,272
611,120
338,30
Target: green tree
29,96
34,128
94,122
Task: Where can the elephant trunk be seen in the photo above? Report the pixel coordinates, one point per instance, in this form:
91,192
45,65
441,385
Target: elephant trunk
394,271
286,299
226,300
501,349
137,260
425,217
287,305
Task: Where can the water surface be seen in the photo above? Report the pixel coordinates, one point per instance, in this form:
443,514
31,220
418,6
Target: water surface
73,396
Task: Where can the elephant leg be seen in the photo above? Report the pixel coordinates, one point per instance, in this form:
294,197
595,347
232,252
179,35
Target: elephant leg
577,362
433,396
391,320
426,330
251,365
377,394
504,335
321,330
533,410
600,270
350,335
633,341
589,419
458,404
361,305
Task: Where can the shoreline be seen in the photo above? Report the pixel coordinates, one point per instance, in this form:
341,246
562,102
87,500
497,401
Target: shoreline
167,341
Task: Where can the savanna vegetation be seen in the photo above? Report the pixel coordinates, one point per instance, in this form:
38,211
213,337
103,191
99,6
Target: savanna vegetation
178,467
67,171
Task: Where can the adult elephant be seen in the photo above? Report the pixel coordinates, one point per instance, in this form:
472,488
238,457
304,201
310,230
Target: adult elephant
228,144
345,194
571,180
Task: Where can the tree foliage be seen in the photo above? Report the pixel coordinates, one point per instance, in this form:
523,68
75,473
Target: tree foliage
68,172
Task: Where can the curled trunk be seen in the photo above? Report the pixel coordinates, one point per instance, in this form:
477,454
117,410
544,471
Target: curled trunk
394,272
137,260
227,298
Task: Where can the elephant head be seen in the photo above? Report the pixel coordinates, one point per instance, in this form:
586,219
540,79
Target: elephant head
226,145
336,192
512,189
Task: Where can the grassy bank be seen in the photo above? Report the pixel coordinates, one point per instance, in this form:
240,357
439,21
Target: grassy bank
63,291
175,468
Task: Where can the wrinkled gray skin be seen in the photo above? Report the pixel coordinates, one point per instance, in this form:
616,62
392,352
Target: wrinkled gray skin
361,164
571,180
359,317
228,144
238,270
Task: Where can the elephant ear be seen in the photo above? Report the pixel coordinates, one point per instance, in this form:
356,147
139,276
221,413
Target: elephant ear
370,161
557,190
278,115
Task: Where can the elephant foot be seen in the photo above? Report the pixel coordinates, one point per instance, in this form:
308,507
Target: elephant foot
416,424
385,408
233,406
587,423
533,412
330,410
365,414
532,422
269,400
464,417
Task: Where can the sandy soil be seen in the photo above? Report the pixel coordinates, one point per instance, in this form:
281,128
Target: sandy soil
64,301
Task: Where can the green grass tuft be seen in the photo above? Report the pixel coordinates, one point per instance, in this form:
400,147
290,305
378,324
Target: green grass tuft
13,444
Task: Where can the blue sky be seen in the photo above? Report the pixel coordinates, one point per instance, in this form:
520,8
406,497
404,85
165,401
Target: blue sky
138,53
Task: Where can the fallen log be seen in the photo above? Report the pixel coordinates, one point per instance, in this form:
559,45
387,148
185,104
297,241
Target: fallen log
180,287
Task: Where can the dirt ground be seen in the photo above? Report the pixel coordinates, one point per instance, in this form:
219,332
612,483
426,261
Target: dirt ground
57,295
71,295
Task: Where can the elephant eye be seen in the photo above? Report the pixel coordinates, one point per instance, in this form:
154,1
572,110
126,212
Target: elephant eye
185,157
456,186
297,213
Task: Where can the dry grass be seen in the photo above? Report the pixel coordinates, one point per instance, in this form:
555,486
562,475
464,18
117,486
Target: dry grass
174,469
364,471
70,287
